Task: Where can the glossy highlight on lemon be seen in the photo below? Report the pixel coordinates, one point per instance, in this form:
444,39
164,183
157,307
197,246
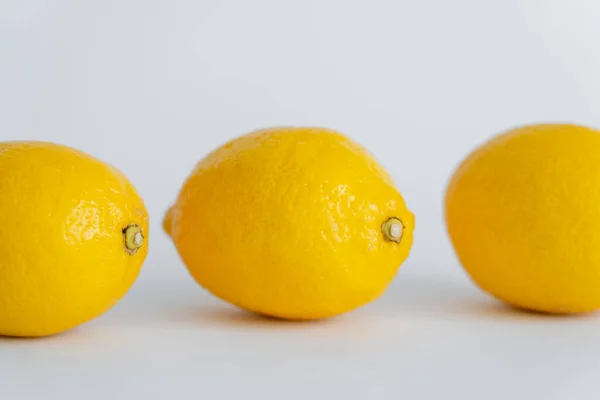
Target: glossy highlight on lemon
295,223
73,237
523,212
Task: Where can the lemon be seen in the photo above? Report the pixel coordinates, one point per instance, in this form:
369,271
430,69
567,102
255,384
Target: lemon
71,238
295,223
523,213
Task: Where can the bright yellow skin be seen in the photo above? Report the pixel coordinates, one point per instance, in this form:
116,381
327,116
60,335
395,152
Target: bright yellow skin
63,259
287,222
523,213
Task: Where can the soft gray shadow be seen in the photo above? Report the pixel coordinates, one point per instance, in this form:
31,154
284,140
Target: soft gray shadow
455,297
231,317
51,338
409,298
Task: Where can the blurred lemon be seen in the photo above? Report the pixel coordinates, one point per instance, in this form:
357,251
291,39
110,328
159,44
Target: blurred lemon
296,223
523,213
71,238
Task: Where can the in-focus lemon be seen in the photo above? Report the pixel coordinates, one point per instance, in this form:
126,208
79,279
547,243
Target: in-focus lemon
71,238
295,223
523,213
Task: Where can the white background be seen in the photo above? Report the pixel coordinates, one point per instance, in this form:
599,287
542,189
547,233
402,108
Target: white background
152,86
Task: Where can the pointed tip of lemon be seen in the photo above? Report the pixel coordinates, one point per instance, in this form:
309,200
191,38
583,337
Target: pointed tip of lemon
168,221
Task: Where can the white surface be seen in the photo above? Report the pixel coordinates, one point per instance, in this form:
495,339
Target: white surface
428,338
152,86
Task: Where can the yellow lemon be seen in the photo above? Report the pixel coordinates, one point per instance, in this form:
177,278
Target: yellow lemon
71,238
295,223
523,213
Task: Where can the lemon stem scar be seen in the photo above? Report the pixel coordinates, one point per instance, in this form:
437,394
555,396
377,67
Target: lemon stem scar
134,239
392,230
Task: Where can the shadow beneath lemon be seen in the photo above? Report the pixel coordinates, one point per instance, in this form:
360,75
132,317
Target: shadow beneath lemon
79,339
229,316
4,338
416,298
353,327
411,298
545,315
67,335
423,296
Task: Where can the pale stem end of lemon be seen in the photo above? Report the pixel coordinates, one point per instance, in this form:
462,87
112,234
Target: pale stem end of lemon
134,239
392,230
